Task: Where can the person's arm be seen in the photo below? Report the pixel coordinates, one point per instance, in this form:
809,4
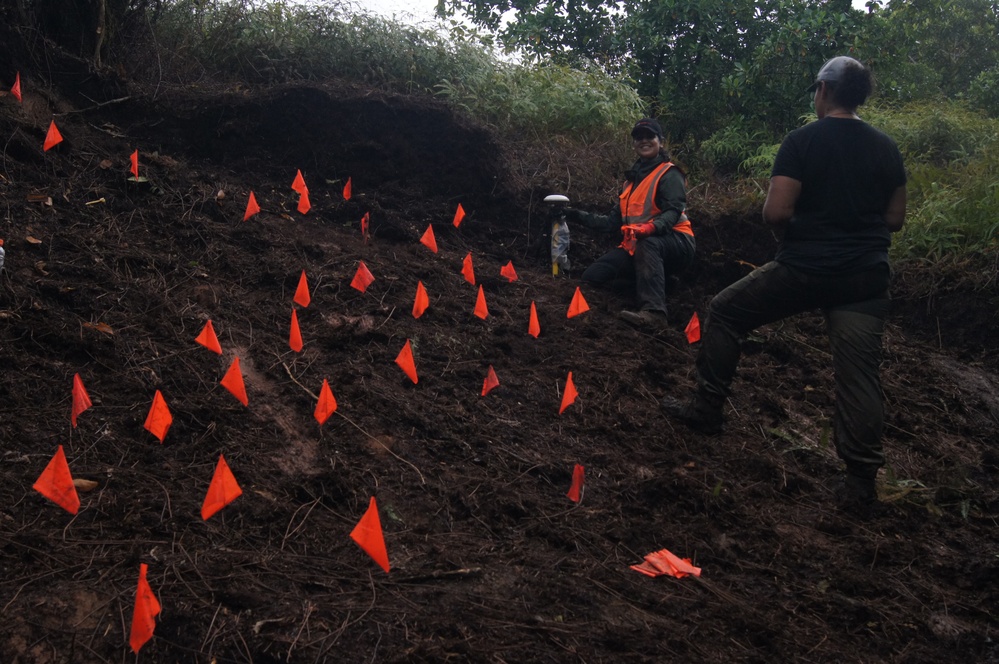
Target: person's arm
671,197
895,214
781,198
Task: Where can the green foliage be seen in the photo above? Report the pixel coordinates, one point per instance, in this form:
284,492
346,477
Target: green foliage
952,157
731,145
272,41
984,91
584,102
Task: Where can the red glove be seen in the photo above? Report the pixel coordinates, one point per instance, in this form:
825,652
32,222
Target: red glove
644,230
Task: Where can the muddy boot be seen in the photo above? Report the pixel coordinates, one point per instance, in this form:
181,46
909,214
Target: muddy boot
699,413
649,319
857,495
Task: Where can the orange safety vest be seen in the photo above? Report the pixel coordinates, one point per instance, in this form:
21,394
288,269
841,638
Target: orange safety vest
638,204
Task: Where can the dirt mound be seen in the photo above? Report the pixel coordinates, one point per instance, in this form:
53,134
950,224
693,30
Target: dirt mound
113,280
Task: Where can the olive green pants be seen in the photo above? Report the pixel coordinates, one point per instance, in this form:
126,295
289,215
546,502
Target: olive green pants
855,308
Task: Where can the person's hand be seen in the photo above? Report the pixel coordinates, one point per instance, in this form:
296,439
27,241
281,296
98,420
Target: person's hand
643,230
572,214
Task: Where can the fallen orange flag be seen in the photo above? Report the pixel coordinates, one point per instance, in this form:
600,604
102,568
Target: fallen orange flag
578,304
508,272
466,269
302,297
347,190
459,216
422,300
368,535
233,381
159,419
303,203
147,607
693,329
81,400
208,339
490,382
662,562
135,164
326,405
534,327
16,89
365,221
576,490
570,394
56,483
428,240
362,278
223,490
298,184
406,362
481,310
52,137
295,336
251,207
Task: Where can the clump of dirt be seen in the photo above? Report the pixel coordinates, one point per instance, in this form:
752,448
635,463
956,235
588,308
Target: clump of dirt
113,279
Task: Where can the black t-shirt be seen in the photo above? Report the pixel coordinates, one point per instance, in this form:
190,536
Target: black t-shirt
848,172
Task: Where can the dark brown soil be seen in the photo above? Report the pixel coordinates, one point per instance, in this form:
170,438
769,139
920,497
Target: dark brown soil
490,560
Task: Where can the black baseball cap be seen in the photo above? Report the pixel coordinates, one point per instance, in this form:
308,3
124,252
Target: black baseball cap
647,124
833,70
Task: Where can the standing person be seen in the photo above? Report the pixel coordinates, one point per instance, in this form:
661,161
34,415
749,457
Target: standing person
658,239
838,192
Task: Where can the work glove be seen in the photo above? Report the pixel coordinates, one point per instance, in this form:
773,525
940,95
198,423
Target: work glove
572,214
644,230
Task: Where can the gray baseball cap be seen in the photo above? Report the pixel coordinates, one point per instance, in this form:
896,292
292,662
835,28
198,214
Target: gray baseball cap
834,69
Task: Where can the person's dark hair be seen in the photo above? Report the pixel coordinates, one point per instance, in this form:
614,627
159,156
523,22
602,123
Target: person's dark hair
853,88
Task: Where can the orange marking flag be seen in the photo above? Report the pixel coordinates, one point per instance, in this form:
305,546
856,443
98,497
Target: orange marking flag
81,400
135,164
16,89
302,297
369,536
159,419
147,607
576,490
570,394
422,300
347,188
303,203
508,272
534,327
233,381
428,240
251,207
466,269
298,184
52,137
295,336
490,382
56,483
208,339
407,363
481,310
365,222
362,278
693,329
326,405
578,304
223,490
459,216
663,562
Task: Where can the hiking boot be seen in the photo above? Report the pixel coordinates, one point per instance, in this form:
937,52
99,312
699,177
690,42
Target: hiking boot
858,496
648,318
697,413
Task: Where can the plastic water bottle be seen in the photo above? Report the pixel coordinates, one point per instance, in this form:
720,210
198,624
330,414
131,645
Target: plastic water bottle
1,254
